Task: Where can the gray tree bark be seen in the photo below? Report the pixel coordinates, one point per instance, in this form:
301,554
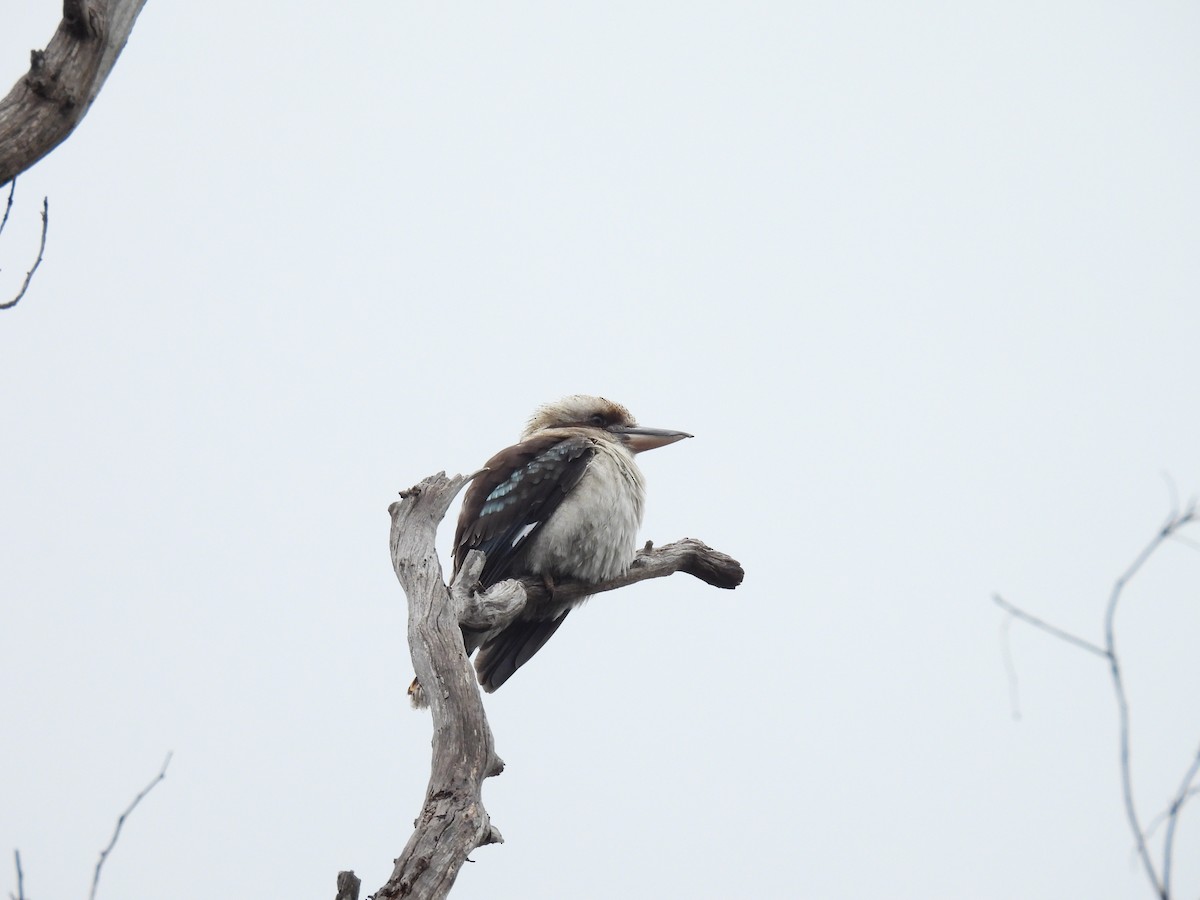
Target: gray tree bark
453,821
47,103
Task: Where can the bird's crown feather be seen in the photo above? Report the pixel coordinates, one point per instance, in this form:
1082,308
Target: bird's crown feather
577,410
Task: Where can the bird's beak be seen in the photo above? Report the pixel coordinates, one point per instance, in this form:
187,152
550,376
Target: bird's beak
638,439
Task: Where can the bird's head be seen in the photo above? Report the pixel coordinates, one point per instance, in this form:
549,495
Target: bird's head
599,414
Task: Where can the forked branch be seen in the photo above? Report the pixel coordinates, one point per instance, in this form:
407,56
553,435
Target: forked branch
1160,879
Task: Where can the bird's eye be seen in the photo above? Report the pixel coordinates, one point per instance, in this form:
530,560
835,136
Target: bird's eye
598,420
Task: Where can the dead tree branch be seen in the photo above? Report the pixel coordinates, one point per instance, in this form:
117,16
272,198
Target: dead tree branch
453,821
20,894
162,773
1181,797
348,884
41,250
689,555
63,80
1161,882
1018,613
12,189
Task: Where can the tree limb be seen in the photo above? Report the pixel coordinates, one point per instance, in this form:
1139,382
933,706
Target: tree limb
1170,528
12,189
1052,630
1181,797
348,884
20,894
453,821
162,773
689,555
41,250
44,107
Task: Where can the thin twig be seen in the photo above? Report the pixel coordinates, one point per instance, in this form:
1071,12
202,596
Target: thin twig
1048,628
1162,816
12,188
1174,522
20,894
1014,690
1181,797
37,262
162,773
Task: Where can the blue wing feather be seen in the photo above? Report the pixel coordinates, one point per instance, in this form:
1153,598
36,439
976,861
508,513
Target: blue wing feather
506,506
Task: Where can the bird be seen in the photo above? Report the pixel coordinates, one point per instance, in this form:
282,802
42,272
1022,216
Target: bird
564,502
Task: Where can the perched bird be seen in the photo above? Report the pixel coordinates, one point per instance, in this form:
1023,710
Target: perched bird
564,503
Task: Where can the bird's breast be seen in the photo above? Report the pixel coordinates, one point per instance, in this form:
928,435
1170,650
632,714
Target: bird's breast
592,536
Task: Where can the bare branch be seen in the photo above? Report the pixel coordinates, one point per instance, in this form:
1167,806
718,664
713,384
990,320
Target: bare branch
162,773
495,607
1182,795
1162,816
452,821
12,189
1014,691
503,602
41,250
44,107
348,884
1176,520
1057,632
20,894
689,555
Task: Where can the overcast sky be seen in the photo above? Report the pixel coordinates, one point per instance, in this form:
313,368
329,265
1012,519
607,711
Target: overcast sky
923,279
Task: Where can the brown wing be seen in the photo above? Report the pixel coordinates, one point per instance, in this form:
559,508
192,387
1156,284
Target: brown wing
507,505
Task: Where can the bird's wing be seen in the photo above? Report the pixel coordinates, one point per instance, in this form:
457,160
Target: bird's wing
507,505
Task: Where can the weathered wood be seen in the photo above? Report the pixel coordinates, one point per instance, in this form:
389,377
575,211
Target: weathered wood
453,821
689,555
347,884
47,103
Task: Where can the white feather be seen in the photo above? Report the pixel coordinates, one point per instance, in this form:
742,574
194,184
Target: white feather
593,533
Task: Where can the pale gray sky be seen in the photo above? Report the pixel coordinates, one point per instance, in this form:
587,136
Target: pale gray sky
921,278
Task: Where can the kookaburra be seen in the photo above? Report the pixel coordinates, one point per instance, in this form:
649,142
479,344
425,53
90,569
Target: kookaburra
564,503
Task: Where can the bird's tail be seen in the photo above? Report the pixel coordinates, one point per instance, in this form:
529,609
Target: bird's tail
503,654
